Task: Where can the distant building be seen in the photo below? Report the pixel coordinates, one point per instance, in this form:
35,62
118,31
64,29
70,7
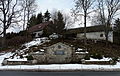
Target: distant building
37,30
92,32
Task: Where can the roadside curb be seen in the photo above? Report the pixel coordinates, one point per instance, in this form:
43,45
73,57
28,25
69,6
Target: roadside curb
63,70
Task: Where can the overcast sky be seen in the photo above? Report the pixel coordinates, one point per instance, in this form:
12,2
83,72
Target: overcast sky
63,5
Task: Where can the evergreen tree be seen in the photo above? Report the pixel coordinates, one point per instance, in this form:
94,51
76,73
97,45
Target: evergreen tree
39,18
59,23
47,16
32,21
57,26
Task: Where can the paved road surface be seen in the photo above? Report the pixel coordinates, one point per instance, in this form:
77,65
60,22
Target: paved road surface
21,73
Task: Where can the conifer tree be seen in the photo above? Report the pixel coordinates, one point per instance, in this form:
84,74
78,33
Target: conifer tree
47,16
32,21
60,23
39,18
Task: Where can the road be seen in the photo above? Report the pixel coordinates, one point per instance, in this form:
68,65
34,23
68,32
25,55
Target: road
23,73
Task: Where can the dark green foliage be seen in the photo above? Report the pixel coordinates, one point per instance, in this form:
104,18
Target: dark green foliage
32,21
59,24
21,56
47,16
96,56
48,30
87,57
115,58
39,18
29,57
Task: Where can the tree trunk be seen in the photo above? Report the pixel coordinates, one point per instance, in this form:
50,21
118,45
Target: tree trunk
4,39
85,27
107,32
28,16
24,20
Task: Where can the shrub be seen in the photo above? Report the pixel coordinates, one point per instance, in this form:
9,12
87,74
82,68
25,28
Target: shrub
87,57
21,56
18,40
97,56
29,57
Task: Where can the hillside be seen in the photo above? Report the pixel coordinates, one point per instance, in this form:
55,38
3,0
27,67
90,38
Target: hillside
99,47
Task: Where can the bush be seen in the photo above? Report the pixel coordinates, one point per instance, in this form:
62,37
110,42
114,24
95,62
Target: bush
87,57
21,56
29,57
97,56
18,40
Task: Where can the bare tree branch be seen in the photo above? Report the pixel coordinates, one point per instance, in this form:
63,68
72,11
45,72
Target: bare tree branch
83,5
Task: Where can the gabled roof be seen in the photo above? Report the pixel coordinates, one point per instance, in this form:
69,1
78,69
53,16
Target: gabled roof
39,27
98,28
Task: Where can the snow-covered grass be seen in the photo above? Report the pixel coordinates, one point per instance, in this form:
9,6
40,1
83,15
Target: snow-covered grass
58,66
16,55
24,59
104,59
39,41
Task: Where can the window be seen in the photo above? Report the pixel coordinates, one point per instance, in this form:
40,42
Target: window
101,35
59,53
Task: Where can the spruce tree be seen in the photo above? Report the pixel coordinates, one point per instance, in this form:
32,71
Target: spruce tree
32,21
47,16
59,23
39,18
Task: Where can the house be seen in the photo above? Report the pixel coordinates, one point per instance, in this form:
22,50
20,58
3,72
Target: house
58,52
37,30
92,32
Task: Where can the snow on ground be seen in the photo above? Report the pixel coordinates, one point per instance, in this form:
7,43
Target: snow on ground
24,59
35,42
4,56
58,66
39,41
104,59
16,55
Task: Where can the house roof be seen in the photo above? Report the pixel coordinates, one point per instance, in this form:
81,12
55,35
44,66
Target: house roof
39,27
98,28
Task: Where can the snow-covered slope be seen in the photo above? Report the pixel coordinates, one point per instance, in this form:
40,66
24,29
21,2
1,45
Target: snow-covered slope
59,66
39,41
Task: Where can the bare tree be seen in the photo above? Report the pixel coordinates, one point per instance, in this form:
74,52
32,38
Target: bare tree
84,6
108,10
29,7
68,20
8,16
54,14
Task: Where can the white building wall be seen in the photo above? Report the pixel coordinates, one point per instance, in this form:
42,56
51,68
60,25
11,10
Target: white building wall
97,35
110,36
38,34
